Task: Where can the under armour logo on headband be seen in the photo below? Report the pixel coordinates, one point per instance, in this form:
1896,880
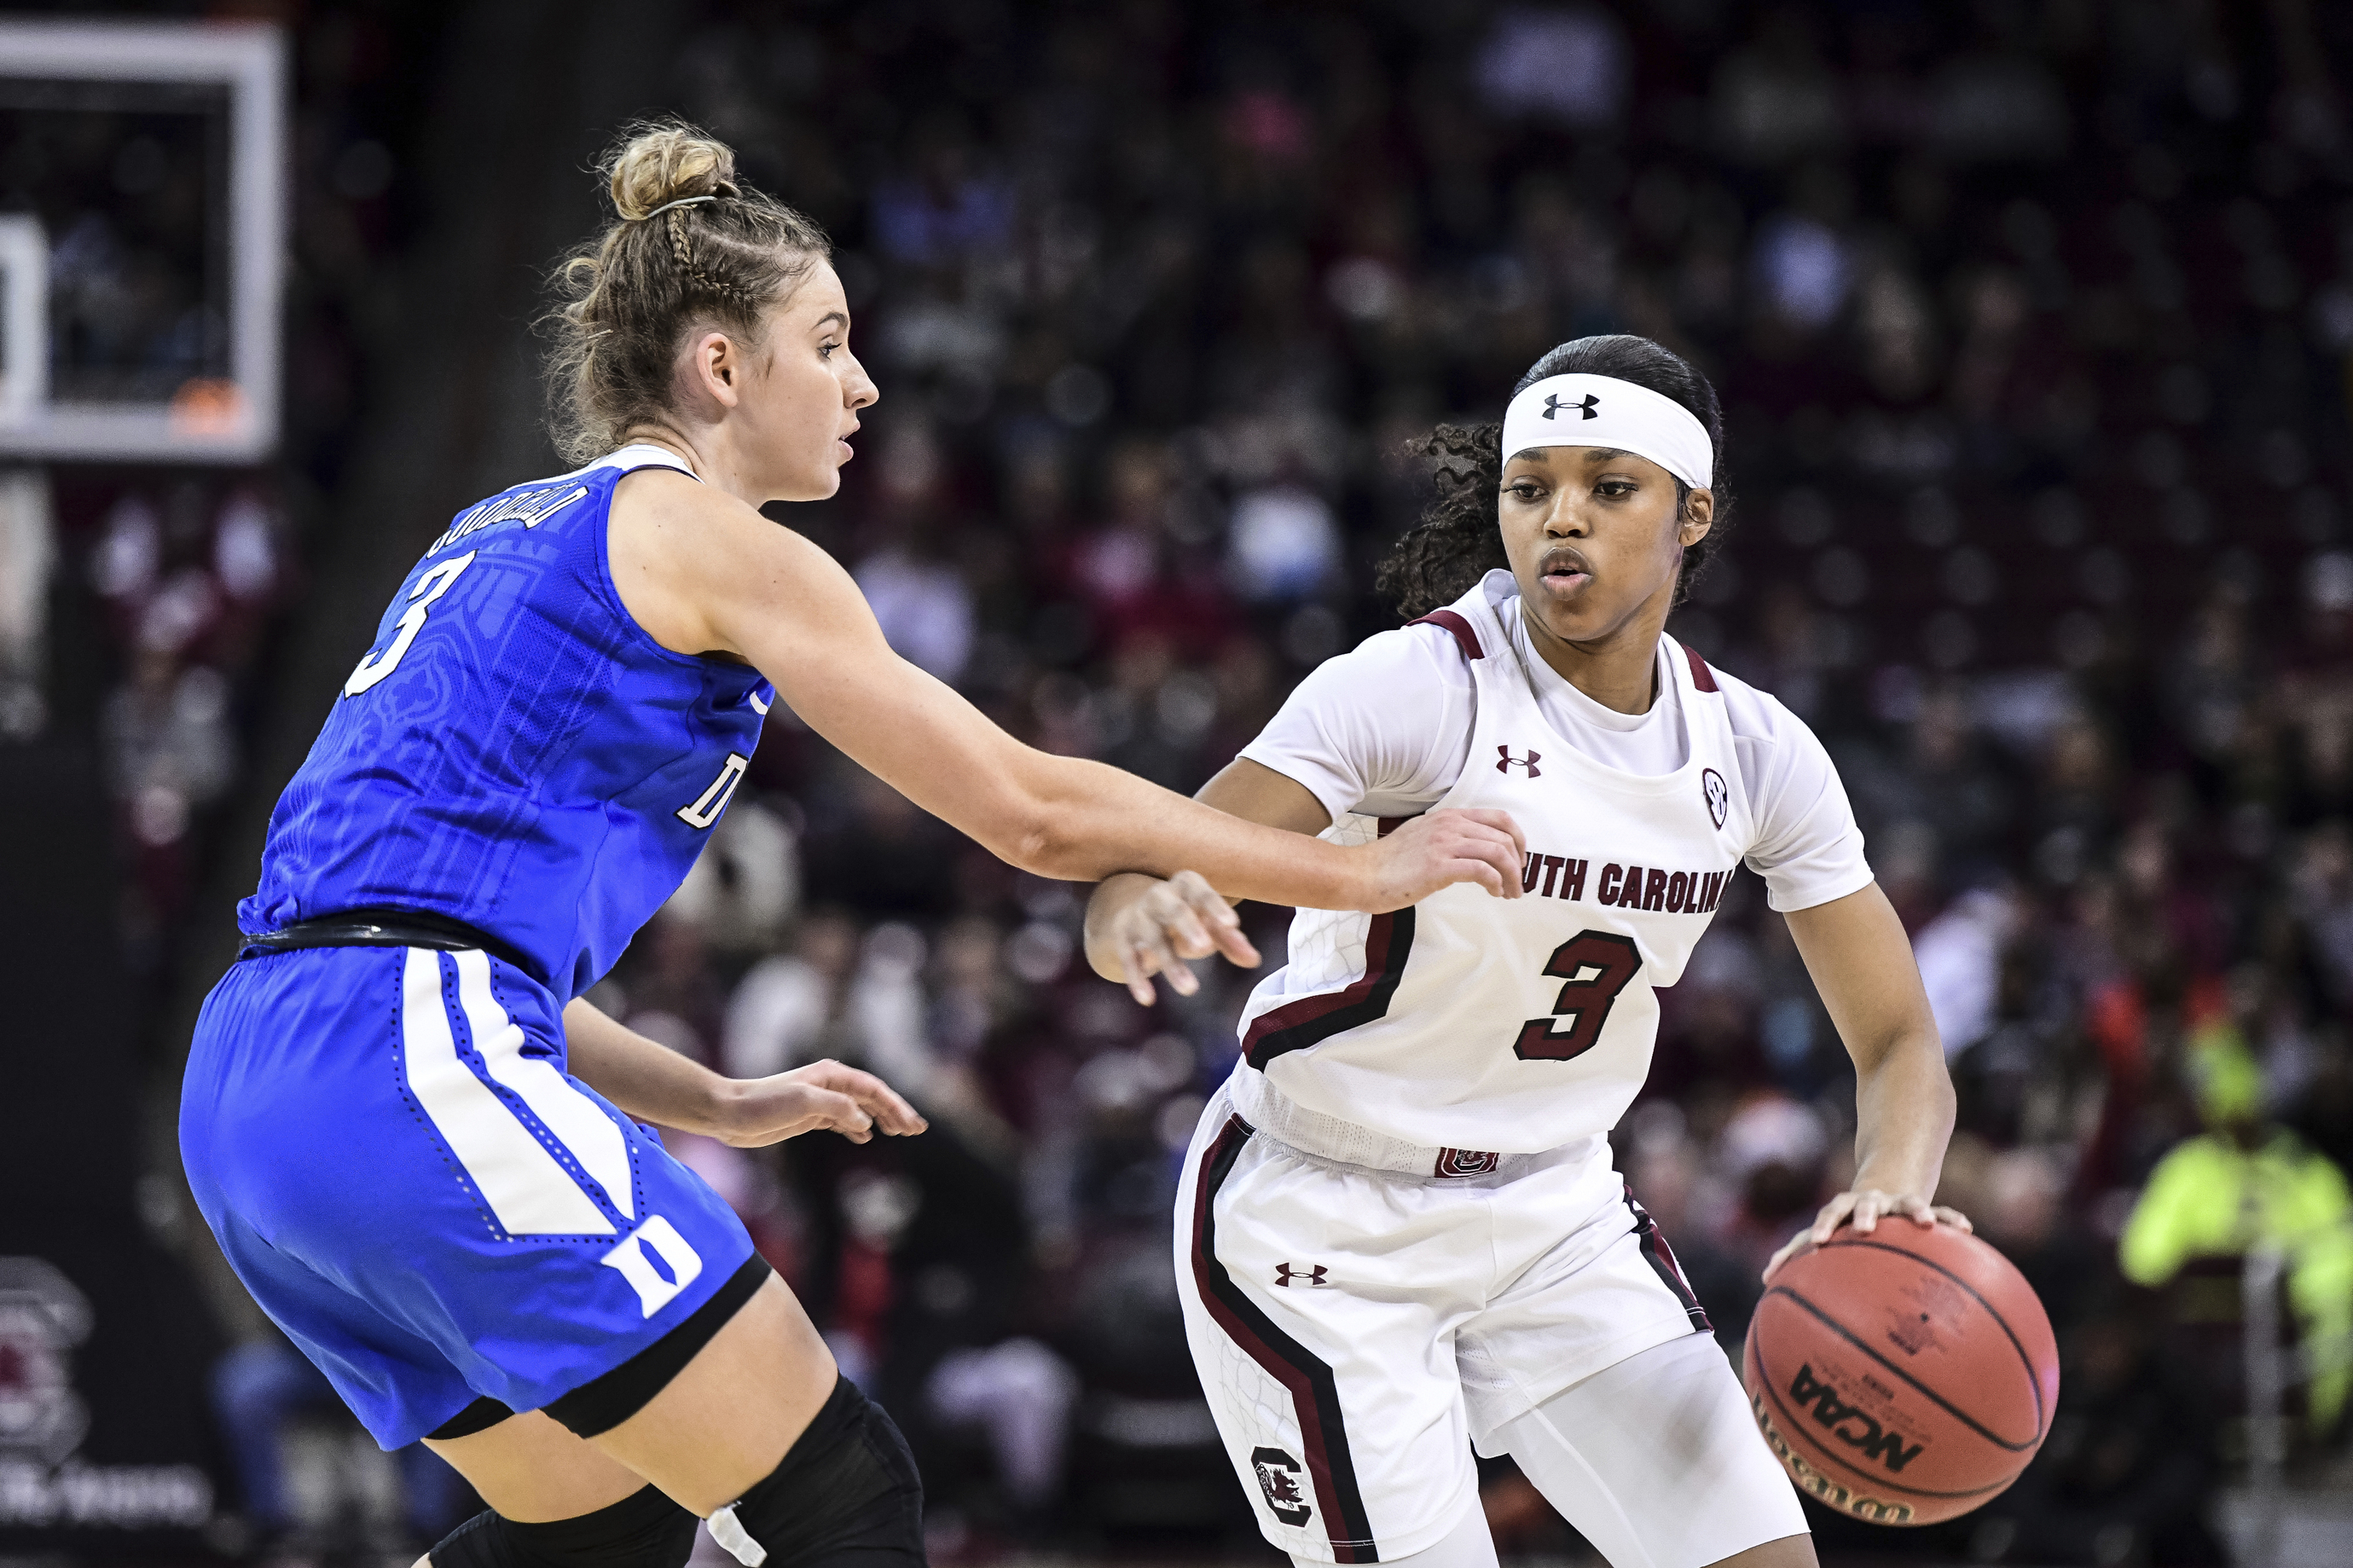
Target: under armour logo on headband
1609,412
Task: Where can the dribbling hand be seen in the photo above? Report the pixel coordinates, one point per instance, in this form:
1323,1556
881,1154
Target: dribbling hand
1863,1208
823,1096
1439,848
1180,919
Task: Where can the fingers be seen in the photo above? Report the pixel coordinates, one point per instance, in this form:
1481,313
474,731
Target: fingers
1865,1210
1145,952
1221,924
1182,919
836,1112
874,1101
1159,958
1185,932
1135,972
1789,1248
1826,1223
1501,820
886,1105
1484,853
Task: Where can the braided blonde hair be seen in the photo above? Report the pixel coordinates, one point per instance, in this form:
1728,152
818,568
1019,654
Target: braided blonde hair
692,245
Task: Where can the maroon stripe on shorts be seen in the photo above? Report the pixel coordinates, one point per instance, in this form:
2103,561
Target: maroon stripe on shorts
1314,1394
1661,1259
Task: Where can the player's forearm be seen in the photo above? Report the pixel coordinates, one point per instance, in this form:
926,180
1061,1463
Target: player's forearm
1063,817
1903,1115
1090,822
645,1079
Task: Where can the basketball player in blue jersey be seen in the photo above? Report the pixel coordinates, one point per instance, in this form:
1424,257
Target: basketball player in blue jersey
419,1148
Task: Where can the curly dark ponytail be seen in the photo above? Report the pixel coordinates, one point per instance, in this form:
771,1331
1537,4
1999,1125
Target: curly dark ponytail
1459,541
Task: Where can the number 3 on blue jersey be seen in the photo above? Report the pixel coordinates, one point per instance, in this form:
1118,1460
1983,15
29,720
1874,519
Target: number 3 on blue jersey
429,587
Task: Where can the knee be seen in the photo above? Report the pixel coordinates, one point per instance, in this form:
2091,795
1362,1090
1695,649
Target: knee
645,1529
846,1489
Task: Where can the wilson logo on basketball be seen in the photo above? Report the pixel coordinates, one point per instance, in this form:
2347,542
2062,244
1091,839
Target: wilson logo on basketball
1850,1424
1278,1478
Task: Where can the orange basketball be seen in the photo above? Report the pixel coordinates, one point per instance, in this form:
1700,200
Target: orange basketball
1905,1376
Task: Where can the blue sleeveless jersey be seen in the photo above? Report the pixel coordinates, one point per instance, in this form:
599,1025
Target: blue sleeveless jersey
514,751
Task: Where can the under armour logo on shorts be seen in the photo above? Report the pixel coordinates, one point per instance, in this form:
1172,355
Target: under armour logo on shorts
1553,405
1284,1274
1509,762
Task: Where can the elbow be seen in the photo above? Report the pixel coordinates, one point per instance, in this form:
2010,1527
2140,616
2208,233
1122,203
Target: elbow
1042,842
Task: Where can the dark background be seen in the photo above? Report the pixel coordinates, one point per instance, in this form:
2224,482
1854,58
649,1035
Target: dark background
2032,325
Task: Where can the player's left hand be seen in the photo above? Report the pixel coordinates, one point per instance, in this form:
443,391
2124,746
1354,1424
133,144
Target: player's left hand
1180,919
822,1097
1863,1208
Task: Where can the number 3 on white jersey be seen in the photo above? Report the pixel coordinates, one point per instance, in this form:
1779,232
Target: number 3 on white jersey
429,587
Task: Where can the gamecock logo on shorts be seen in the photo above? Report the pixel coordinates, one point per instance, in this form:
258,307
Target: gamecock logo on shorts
1718,793
1278,1478
1468,1162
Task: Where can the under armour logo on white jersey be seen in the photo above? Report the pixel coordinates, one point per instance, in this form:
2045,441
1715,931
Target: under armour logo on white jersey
1507,762
1284,1274
1553,405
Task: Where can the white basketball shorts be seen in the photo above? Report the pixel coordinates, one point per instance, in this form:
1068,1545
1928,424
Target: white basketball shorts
1358,1330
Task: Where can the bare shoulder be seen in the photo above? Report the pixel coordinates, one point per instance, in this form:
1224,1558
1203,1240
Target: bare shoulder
688,559
656,509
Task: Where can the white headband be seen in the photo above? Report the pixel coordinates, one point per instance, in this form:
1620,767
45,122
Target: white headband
1603,411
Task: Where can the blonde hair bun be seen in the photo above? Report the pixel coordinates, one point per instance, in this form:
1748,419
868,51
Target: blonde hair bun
664,162
626,298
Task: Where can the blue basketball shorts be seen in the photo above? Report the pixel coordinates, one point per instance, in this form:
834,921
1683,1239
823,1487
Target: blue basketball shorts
399,1168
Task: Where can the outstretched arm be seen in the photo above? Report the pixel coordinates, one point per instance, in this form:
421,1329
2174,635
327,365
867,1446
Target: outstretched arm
1860,962
703,573
653,1083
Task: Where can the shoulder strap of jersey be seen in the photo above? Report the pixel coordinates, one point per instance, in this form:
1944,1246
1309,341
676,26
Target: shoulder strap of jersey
1465,636
1703,678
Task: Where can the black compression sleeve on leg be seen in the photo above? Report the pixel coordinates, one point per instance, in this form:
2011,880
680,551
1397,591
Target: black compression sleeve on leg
644,1530
845,1496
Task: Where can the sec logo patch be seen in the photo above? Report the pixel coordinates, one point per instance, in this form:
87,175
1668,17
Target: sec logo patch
1718,793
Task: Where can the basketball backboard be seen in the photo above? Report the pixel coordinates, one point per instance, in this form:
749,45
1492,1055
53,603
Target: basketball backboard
142,221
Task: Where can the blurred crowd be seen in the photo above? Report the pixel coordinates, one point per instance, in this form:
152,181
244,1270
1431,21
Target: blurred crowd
2032,327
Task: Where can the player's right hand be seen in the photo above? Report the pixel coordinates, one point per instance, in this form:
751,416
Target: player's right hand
1439,848
823,1096
1181,918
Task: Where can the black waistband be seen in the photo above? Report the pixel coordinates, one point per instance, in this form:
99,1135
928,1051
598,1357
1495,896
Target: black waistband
383,928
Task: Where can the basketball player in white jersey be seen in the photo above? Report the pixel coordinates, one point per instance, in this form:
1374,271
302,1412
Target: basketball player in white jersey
1399,1233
